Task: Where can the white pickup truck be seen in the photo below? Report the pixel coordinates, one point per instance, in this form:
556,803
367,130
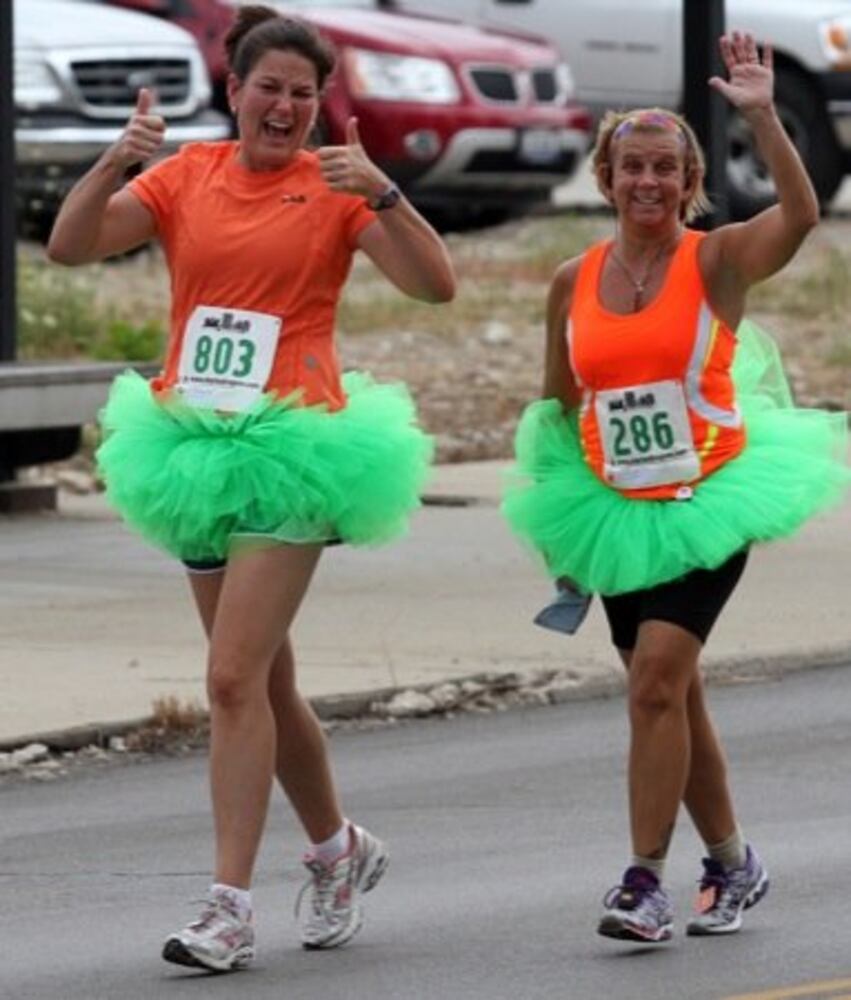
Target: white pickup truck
628,53
78,68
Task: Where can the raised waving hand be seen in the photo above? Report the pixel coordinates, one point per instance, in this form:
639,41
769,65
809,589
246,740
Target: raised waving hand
751,79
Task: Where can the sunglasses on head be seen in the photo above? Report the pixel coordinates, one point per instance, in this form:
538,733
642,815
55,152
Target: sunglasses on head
648,119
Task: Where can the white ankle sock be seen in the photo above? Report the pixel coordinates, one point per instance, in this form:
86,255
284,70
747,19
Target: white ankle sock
334,847
242,897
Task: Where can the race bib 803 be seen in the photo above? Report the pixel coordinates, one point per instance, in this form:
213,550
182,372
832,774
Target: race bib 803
226,357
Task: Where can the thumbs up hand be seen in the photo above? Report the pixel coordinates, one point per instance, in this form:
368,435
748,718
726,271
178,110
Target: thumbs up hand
348,168
352,134
142,136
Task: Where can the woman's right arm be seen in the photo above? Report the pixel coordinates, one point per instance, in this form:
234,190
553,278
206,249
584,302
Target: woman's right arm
95,220
559,380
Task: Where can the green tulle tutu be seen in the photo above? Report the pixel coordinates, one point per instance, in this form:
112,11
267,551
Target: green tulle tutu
793,466
190,480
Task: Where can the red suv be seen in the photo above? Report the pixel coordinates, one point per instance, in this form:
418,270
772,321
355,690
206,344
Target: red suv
475,125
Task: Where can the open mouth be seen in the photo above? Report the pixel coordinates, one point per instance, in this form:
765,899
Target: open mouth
277,131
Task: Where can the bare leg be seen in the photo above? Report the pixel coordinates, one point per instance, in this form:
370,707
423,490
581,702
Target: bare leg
707,794
302,762
206,588
303,766
257,602
662,667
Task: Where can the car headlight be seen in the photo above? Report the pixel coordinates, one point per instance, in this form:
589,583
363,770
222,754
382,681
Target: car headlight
386,76
564,82
35,85
836,42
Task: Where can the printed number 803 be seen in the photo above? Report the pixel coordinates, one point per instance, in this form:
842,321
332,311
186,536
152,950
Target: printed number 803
220,356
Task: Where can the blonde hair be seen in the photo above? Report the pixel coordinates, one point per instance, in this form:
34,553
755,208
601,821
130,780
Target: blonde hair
618,123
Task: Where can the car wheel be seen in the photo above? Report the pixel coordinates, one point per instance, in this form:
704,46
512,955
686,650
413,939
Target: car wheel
456,218
801,110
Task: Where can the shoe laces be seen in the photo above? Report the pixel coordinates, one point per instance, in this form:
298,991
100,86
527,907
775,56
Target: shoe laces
324,881
632,890
217,910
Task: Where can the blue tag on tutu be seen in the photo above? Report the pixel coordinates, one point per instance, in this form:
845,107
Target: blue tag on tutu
566,612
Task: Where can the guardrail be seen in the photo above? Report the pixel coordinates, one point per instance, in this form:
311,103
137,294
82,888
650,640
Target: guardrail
38,395
43,409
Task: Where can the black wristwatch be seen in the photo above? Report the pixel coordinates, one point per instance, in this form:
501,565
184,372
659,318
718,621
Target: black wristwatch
387,199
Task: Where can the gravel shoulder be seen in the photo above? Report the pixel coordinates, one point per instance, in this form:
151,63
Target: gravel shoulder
473,376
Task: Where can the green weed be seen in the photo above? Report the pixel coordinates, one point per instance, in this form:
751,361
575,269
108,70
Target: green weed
61,314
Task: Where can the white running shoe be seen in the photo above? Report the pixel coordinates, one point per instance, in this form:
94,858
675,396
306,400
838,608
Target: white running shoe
333,915
220,939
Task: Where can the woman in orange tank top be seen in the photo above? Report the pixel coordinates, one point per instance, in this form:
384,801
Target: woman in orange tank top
657,457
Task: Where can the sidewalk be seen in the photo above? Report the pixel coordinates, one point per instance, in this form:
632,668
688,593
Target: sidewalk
95,625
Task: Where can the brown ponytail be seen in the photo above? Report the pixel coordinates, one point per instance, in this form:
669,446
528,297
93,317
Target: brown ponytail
258,29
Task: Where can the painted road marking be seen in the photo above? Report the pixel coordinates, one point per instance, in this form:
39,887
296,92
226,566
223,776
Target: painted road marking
825,990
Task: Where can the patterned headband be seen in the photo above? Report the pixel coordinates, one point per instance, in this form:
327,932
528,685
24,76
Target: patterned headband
649,120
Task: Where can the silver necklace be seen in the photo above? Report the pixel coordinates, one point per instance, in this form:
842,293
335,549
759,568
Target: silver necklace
639,284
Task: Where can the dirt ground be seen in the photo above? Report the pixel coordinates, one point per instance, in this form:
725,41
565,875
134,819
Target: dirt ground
471,379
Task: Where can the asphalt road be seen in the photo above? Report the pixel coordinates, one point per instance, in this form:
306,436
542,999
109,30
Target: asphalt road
506,830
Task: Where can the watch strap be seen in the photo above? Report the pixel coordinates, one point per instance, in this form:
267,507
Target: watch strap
387,199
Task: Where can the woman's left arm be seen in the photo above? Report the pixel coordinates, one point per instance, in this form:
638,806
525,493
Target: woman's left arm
400,242
758,248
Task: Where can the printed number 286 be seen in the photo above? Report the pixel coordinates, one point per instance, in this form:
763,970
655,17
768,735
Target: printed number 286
641,434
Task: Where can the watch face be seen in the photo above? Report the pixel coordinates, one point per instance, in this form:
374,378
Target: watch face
387,200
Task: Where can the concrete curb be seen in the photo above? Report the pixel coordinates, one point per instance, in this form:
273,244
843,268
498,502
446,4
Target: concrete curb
361,704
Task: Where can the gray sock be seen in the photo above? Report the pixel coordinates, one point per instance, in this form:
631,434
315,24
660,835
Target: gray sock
729,853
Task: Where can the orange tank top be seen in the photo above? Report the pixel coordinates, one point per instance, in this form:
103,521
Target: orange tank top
658,411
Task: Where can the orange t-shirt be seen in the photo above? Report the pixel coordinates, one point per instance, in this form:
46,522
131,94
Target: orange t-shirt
278,242
635,371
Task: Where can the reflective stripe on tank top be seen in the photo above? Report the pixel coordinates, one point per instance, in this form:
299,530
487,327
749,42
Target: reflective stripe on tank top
707,326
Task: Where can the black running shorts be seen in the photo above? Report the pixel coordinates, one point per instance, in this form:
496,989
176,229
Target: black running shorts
693,602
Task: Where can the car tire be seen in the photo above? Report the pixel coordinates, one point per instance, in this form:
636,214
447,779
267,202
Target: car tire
801,110
455,218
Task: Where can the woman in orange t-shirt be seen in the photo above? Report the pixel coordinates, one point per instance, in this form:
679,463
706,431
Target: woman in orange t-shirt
250,452
654,462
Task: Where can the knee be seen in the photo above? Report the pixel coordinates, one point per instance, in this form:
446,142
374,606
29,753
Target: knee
232,686
658,685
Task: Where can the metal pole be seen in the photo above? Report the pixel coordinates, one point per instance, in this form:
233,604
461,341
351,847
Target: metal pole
706,110
7,186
